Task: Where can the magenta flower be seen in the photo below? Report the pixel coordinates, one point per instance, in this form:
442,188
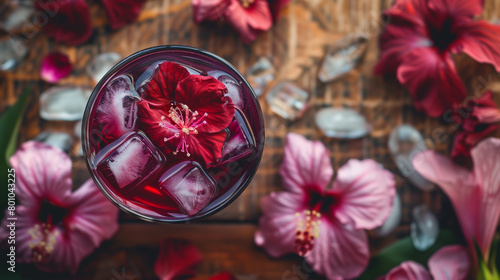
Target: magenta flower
177,259
55,66
56,228
450,262
418,43
325,225
474,195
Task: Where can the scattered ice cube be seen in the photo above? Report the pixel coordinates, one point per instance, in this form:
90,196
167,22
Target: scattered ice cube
117,111
393,220
287,100
405,142
14,13
424,228
59,140
260,74
342,123
240,141
128,161
343,56
101,64
64,103
13,49
189,185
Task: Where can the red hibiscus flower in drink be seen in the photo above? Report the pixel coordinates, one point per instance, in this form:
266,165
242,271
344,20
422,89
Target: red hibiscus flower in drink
325,225
418,43
184,114
479,118
57,227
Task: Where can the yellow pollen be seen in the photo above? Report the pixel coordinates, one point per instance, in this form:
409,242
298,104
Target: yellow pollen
185,130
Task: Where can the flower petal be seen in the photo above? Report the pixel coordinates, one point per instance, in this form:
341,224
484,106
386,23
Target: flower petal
340,251
460,10
409,270
93,215
55,66
249,22
366,193
450,262
487,172
432,80
480,40
306,164
43,173
161,89
460,186
206,95
23,236
70,24
209,10
177,259
464,141
207,147
150,123
223,276
122,12
278,223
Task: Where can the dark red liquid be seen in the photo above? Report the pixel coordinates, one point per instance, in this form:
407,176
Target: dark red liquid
144,180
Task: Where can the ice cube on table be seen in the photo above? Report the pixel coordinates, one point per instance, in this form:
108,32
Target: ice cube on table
64,103
240,141
117,111
128,161
101,64
260,74
234,88
13,50
189,185
288,100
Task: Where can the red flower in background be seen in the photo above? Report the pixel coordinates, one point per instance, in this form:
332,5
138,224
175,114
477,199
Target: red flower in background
122,12
70,21
418,43
177,259
186,113
478,119
209,10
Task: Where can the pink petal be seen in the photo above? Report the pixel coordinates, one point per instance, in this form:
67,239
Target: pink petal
122,12
487,172
23,236
460,186
177,259
278,223
432,80
458,9
340,251
42,173
306,164
55,66
450,262
487,115
209,10
93,215
480,40
409,270
249,22
366,193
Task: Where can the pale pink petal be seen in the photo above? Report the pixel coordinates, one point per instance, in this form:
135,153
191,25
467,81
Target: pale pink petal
23,238
409,270
487,114
177,259
210,10
487,171
306,164
249,22
340,251
366,192
93,214
42,173
278,223
450,263
55,66
458,183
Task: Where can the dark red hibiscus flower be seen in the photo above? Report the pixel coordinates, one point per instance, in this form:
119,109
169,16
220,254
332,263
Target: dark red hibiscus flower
122,12
478,119
67,22
418,43
185,114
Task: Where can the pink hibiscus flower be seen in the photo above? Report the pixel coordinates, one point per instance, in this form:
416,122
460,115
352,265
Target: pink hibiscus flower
474,195
325,225
418,43
478,119
450,262
58,227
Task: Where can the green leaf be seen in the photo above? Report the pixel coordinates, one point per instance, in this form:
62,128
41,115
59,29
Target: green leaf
403,250
10,122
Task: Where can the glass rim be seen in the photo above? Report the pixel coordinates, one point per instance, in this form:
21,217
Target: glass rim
123,63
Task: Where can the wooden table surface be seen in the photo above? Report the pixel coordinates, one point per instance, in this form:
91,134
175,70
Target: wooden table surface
296,45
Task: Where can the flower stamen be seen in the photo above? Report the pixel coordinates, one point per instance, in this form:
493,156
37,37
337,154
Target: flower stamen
43,241
307,231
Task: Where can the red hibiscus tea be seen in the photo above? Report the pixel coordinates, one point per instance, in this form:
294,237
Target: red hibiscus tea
173,133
